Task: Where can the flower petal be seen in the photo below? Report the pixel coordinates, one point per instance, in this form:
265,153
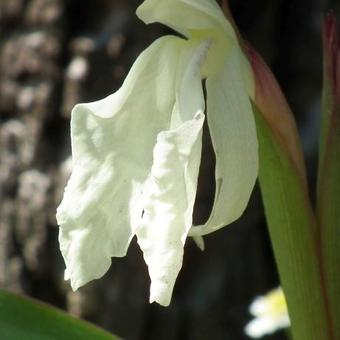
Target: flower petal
233,132
265,325
171,189
197,20
186,16
112,143
270,313
168,205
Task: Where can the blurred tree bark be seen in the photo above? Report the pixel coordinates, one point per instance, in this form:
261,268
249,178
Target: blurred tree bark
54,54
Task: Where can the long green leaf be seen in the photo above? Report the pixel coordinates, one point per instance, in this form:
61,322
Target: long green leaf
293,235
328,195
23,318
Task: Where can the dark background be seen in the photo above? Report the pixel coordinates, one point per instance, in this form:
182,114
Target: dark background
54,54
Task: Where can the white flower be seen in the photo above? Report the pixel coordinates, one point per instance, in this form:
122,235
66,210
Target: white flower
136,153
270,313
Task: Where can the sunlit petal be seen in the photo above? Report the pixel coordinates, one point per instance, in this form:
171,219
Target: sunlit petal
186,16
112,143
171,189
233,133
168,205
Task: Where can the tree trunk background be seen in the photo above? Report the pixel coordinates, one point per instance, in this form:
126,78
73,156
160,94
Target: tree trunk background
54,54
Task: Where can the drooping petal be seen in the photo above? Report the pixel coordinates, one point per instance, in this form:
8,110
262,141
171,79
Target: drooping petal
233,133
185,16
171,188
112,143
168,205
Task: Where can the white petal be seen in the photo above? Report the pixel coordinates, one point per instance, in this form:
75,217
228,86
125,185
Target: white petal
112,143
189,90
186,16
271,314
197,20
265,325
168,205
171,189
233,133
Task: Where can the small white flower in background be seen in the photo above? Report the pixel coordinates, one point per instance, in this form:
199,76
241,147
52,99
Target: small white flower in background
270,312
136,153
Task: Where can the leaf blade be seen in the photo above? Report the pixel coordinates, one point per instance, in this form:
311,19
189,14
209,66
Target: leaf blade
292,231
25,318
328,186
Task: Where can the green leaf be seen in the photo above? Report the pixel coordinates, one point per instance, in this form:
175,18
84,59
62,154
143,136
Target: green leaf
293,235
23,318
328,188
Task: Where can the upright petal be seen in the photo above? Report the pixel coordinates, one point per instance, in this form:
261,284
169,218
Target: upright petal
195,19
171,189
233,132
186,16
112,143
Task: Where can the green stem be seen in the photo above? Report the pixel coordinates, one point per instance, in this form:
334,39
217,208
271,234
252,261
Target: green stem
292,230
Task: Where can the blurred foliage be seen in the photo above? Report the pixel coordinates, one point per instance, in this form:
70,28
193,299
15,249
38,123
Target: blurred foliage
26,318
